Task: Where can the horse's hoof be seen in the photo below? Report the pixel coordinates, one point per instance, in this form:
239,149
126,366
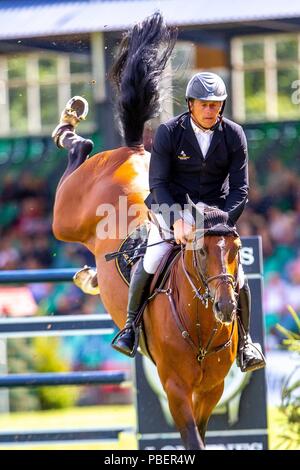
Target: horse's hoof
83,279
76,110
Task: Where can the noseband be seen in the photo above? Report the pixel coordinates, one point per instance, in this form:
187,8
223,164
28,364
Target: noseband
224,278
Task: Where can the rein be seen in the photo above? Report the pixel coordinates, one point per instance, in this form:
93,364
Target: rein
201,351
137,249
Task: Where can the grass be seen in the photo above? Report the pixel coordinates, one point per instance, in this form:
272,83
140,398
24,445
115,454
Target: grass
73,418
101,416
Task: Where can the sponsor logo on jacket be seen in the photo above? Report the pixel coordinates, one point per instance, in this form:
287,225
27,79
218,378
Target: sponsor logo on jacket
183,156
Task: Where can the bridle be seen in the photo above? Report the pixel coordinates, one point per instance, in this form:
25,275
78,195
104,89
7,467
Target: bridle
201,351
224,278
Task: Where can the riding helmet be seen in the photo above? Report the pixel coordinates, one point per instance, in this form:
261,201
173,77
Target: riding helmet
206,86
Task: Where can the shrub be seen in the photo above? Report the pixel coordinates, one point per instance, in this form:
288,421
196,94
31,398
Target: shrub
48,359
290,403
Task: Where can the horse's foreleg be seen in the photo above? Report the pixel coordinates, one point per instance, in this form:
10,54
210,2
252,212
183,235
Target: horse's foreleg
204,404
180,404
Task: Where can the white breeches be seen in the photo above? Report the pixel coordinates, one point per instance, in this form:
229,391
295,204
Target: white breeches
154,254
241,276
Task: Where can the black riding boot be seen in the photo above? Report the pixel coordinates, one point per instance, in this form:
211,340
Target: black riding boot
250,356
138,290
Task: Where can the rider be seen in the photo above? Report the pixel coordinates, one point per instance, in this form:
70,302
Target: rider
204,154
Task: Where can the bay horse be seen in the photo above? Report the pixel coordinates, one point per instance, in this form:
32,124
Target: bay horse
190,324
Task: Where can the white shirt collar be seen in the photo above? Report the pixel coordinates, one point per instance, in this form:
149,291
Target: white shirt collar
197,129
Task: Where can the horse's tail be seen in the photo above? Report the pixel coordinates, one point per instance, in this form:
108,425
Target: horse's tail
136,72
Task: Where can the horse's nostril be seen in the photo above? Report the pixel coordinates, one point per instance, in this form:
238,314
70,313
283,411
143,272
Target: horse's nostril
224,310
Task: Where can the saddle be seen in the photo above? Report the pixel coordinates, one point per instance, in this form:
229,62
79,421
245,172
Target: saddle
132,249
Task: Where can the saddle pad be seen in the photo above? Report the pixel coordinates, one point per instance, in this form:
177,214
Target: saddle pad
136,242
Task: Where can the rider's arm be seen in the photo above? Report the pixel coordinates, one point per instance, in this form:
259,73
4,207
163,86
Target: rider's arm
238,175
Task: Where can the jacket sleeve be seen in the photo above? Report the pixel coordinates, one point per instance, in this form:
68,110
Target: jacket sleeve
160,173
238,178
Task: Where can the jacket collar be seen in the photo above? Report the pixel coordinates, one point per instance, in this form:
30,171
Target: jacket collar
216,138
184,120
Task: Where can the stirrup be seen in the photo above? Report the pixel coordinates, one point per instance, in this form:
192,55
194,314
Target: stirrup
260,364
76,110
83,280
136,331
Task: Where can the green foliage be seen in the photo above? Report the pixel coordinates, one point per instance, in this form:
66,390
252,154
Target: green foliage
41,354
255,95
290,405
256,106
20,360
48,359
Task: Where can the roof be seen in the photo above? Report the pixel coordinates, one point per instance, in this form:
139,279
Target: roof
34,18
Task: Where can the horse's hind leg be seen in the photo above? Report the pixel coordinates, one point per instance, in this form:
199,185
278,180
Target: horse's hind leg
204,404
69,212
78,151
180,404
64,136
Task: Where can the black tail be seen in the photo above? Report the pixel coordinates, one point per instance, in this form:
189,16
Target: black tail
136,72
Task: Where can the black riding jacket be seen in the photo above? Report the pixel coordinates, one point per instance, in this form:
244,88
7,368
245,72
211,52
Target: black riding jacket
177,167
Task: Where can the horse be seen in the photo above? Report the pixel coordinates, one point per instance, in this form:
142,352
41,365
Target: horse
190,324
197,345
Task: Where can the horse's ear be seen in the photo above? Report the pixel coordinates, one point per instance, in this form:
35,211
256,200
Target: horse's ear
190,202
200,207
235,213
197,212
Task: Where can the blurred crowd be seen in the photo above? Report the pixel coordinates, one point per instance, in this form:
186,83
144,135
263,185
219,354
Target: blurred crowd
27,242
273,212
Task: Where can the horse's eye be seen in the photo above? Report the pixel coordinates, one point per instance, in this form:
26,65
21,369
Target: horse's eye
202,251
233,254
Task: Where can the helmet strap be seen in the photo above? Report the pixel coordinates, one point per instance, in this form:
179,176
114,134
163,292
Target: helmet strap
222,109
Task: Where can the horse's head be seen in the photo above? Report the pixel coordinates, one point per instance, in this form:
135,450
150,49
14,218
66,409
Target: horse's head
216,247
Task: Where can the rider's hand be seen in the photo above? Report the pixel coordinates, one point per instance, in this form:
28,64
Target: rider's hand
182,231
